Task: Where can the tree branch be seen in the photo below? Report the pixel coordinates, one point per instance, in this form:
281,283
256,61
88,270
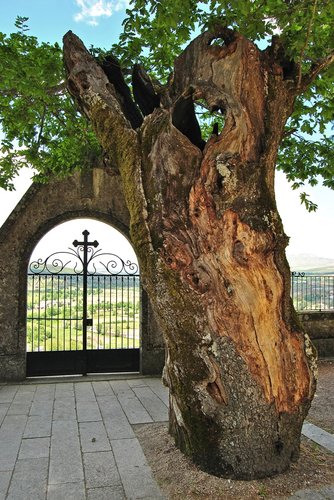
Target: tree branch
14,93
113,70
57,89
290,131
38,143
306,42
315,70
143,91
97,97
105,106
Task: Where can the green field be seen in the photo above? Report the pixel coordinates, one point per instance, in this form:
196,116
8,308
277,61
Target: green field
312,292
55,312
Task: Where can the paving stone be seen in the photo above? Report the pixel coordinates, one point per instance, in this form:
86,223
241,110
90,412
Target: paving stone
64,409
131,405
128,453
25,389
152,403
119,386
3,411
66,465
101,470
7,393
64,429
13,425
115,420
88,411
8,456
64,390
67,491
38,426
118,429
65,433
34,448
84,391
65,454
106,404
11,432
29,480
307,495
19,408
133,409
41,408
106,493
136,475
319,436
93,437
102,388
137,382
4,483
9,451
45,392
24,396
328,492
159,389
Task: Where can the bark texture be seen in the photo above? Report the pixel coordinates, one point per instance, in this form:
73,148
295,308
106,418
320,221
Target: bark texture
210,242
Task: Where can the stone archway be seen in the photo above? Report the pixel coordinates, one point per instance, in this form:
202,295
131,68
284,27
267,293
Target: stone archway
94,194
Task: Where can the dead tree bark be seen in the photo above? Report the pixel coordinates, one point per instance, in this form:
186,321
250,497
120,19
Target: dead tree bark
210,242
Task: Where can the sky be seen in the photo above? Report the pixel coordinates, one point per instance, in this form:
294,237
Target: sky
98,23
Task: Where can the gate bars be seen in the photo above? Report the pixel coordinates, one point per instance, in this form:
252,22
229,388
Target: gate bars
311,292
83,299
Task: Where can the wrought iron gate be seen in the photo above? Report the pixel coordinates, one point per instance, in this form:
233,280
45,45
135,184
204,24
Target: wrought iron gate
83,312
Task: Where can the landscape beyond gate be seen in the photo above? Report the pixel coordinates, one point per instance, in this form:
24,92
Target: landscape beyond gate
83,312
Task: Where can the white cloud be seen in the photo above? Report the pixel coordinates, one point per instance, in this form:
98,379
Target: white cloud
121,4
92,10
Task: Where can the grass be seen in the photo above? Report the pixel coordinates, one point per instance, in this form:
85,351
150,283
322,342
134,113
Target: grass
55,312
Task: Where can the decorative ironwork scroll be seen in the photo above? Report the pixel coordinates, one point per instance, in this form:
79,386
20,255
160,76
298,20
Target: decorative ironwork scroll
297,274
72,261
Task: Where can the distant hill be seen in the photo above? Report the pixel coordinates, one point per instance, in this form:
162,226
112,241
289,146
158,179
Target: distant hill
311,264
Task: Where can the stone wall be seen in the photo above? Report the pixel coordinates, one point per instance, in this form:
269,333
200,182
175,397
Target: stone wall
320,327
94,194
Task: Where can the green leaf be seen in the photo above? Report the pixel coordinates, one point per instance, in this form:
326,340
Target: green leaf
53,137
41,125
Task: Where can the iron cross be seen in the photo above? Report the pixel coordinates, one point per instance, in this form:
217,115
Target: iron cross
85,320
85,242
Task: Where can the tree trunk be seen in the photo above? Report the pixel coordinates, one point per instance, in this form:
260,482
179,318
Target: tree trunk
210,243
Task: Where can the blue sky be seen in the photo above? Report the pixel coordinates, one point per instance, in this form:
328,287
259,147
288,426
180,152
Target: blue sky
98,23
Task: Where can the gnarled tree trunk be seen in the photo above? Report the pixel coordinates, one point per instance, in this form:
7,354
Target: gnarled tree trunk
210,243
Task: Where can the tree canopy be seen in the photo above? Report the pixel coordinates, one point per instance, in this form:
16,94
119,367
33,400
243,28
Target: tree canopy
43,128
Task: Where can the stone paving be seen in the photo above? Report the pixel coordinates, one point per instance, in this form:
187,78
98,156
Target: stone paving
75,441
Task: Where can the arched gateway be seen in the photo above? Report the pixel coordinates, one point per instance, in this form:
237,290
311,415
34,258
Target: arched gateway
94,194
83,303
